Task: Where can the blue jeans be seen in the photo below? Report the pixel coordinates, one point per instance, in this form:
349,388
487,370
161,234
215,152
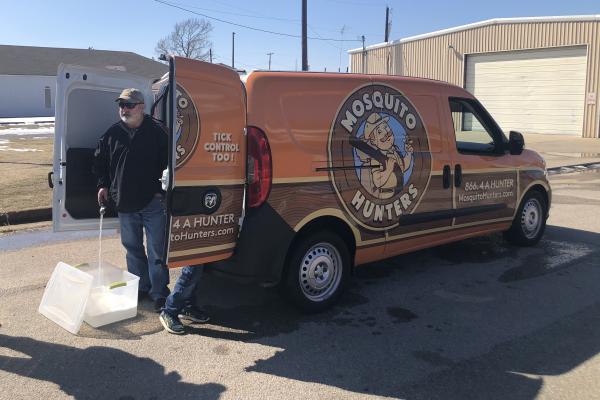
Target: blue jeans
154,276
183,291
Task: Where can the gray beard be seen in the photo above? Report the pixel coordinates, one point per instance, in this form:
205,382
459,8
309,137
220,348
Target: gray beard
128,119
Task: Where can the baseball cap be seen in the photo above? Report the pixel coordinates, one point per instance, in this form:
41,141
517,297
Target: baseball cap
131,95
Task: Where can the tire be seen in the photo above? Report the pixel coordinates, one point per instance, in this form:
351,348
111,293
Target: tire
316,271
530,221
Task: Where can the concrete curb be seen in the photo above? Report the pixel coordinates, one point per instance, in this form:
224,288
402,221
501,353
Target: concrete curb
565,169
26,216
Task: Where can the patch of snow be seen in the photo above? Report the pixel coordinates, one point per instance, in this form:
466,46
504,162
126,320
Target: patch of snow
6,148
27,120
24,131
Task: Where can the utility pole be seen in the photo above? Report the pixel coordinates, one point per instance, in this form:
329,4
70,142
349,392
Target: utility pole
387,24
341,45
304,38
210,54
270,54
233,50
364,54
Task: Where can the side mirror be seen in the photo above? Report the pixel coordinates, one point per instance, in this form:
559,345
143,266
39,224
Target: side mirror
516,143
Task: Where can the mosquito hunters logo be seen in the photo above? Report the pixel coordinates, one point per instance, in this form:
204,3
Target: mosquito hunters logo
187,127
379,156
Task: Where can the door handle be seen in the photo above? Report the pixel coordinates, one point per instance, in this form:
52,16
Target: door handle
457,175
446,177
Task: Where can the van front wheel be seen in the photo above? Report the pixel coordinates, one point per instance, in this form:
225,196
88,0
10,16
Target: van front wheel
530,221
316,271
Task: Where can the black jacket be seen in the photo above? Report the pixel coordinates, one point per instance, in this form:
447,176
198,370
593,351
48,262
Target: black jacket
130,163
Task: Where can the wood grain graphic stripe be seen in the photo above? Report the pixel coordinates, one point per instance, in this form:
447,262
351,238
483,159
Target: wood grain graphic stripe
201,250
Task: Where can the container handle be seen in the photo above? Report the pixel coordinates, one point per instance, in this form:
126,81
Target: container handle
115,285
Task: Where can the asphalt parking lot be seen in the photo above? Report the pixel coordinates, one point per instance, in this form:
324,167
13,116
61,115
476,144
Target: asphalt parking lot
475,319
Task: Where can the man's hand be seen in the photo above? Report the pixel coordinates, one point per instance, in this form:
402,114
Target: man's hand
164,180
102,195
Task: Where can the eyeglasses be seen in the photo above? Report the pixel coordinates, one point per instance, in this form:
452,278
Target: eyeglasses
129,106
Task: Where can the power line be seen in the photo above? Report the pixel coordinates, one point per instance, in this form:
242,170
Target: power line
250,27
237,8
237,14
312,27
317,33
355,3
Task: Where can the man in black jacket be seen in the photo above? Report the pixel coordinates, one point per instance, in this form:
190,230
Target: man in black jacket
128,162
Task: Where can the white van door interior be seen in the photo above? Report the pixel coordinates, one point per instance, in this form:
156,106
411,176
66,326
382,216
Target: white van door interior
85,109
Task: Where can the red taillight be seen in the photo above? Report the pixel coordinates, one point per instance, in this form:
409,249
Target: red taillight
259,167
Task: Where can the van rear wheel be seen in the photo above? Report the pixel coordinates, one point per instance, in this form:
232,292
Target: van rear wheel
530,221
316,271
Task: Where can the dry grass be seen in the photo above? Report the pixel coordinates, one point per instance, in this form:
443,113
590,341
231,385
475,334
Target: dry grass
20,126
34,226
24,185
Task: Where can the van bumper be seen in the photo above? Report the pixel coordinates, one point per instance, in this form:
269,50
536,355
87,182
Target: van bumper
259,256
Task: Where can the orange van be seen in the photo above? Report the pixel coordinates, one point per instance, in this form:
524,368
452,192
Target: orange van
294,178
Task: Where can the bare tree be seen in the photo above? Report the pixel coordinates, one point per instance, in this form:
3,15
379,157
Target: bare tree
188,39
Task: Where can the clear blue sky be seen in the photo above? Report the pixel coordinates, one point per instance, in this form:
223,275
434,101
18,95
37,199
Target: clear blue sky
137,25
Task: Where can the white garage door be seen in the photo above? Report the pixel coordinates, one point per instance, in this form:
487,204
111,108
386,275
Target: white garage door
531,91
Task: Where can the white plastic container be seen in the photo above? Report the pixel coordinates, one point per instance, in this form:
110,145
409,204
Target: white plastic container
65,297
113,295
83,293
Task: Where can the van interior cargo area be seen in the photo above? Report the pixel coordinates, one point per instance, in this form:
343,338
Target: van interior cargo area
91,111
81,193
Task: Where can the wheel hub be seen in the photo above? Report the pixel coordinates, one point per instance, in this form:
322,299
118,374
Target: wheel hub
320,272
531,218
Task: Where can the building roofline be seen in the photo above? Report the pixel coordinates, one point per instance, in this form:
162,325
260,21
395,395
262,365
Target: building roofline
44,61
495,21
70,48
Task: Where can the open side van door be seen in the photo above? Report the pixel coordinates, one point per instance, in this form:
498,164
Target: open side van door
207,162
85,109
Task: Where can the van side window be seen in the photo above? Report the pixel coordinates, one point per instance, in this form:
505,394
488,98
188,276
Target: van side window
474,129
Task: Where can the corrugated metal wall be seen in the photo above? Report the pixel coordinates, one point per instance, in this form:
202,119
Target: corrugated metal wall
384,60
443,57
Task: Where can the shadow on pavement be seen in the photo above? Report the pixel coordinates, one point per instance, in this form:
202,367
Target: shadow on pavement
99,372
390,335
145,323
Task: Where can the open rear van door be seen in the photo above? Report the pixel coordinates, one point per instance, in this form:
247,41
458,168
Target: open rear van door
207,161
85,109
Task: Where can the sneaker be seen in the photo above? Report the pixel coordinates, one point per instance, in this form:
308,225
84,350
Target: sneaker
171,324
193,314
159,304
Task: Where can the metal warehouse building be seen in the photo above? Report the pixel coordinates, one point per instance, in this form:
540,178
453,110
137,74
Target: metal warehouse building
535,75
